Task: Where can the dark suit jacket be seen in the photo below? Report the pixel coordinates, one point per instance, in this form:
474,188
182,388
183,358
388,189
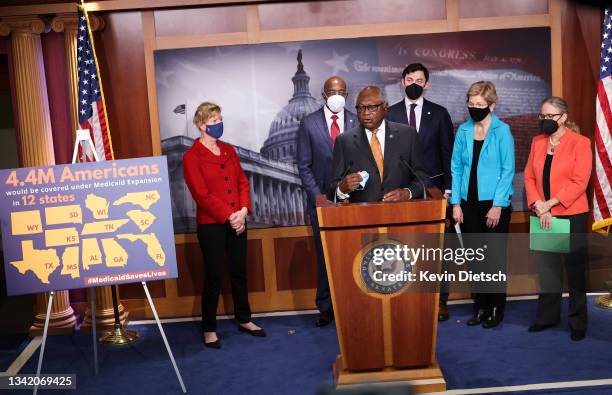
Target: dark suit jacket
314,151
436,136
353,150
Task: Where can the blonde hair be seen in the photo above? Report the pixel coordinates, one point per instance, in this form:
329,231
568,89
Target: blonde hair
205,111
486,89
561,105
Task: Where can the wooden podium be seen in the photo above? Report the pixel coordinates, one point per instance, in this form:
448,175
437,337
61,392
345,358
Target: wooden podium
383,336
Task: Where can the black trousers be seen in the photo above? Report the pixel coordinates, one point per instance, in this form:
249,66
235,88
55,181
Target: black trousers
475,221
551,278
323,298
215,241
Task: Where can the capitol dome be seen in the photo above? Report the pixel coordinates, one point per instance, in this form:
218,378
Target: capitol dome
281,142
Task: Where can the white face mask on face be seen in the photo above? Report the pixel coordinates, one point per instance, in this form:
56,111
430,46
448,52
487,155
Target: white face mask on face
336,103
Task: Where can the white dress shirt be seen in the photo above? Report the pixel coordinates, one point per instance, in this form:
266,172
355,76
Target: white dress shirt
380,135
340,120
418,110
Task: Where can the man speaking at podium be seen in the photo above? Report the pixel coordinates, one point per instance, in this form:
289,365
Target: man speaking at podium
378,160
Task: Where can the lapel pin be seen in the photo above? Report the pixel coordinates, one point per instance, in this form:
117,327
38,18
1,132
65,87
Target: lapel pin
428,113
390,136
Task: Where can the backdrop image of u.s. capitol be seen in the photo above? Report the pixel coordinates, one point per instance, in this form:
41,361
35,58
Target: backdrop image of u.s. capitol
265,90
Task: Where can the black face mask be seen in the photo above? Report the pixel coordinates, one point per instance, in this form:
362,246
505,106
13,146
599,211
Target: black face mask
548,126
478,114
414,91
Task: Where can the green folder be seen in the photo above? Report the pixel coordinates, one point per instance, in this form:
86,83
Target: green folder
555,239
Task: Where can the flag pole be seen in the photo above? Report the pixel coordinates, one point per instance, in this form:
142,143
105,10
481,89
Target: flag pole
81,5
118,335
602,205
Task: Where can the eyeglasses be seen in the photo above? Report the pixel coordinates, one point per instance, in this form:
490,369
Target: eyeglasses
332,93
478,105
548,116
370,108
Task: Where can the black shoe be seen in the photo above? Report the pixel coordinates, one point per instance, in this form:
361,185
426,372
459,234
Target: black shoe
255,332
540,327
216,344
577,335
443,312
324,319
497,316
478,318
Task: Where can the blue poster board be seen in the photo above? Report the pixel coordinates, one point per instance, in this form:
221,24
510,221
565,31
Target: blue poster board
86,224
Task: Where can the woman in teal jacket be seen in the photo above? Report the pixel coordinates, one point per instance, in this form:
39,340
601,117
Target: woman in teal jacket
482,168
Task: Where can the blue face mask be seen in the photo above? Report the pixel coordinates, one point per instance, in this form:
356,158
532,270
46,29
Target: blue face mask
215,131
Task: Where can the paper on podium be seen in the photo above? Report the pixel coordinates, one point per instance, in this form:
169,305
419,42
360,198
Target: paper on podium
555,239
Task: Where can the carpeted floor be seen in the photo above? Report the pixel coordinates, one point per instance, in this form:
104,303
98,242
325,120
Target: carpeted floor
10,347
296,357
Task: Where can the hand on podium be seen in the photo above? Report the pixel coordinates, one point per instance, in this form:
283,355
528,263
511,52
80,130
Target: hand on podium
398,195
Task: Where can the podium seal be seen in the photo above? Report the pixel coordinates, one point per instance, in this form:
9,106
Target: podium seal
380,275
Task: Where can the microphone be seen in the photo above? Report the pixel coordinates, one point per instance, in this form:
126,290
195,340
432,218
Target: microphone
405,163
344,174
436,176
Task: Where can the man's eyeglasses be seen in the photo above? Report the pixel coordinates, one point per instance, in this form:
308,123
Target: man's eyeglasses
548,116
370,108
332,93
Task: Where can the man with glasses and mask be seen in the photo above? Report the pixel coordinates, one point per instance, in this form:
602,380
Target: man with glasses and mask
316,137
389,153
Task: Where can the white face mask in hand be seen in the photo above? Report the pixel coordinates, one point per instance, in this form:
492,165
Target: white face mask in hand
364,178
336,103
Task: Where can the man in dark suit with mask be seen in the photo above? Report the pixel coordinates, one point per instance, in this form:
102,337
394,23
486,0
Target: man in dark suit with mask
389,152
316,137
432,122
435,128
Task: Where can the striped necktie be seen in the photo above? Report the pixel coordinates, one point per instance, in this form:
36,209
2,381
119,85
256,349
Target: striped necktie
377,153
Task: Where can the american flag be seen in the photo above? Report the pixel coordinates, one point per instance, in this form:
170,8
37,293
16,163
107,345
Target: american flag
602,199
92,112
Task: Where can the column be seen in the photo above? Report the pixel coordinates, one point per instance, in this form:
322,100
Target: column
253,195
262,193
36,139
285,203
105,316
294,206
281,203
290,210
273,201
298,208
302,203
287,199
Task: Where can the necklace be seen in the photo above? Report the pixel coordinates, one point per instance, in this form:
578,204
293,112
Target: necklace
211,147
553,145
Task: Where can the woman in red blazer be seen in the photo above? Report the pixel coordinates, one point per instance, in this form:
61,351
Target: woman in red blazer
556,178
221,191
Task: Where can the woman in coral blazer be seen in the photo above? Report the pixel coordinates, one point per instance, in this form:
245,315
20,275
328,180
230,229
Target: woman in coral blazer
221,191
556,178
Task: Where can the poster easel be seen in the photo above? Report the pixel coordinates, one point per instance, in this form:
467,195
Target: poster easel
83,140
